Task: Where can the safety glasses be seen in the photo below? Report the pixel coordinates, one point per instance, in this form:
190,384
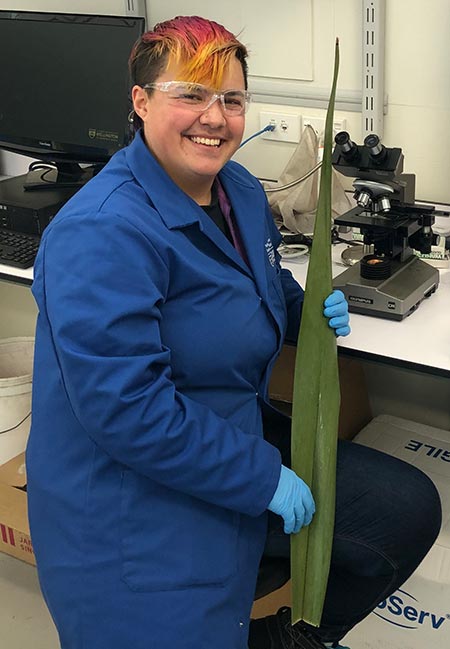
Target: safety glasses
199,98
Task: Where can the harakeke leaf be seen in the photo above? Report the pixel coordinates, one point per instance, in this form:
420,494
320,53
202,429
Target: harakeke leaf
316,403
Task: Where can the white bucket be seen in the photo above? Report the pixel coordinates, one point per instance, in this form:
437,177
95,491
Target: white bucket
16,368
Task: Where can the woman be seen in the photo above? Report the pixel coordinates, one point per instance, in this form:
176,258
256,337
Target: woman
162,308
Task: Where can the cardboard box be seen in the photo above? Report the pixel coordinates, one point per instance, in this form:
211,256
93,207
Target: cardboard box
270,604
14,529
417,616
355,410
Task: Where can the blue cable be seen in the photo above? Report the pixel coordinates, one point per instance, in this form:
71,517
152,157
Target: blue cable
269,127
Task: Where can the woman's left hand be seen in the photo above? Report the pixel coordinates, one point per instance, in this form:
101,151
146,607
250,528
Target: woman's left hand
336,310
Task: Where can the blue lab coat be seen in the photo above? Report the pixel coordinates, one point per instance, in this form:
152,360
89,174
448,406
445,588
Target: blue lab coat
148,474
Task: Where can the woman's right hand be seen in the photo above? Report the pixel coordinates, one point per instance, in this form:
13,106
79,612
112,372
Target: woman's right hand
293,501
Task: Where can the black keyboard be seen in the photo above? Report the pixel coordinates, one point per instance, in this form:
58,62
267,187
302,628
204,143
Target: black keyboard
18,249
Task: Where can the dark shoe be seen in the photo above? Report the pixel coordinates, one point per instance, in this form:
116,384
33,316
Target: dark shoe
276,632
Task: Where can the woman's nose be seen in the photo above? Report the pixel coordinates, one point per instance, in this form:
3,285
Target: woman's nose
213,115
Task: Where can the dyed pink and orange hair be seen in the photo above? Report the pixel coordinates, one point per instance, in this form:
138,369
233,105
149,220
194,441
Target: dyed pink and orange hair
200,48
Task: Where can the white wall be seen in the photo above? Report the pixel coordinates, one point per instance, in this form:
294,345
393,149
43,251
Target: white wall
417,75
18,311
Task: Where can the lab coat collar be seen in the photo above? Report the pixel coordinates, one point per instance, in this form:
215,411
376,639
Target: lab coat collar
171,202
168,199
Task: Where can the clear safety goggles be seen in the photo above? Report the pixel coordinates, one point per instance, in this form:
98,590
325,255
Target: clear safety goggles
199,98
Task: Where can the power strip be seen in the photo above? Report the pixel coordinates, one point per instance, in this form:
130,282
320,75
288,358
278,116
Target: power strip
436,259
439,257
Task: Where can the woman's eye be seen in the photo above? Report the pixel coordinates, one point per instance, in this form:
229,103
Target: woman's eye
234,104
191,96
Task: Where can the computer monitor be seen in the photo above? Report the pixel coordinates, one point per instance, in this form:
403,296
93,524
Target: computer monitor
64,91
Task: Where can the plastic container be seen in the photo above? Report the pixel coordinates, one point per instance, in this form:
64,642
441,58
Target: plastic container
16,368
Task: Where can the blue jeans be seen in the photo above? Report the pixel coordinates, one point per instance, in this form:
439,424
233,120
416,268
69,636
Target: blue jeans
388,515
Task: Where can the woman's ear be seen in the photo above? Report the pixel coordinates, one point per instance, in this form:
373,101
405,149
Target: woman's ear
140,101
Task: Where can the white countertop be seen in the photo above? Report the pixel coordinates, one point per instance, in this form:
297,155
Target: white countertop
16,275
423,338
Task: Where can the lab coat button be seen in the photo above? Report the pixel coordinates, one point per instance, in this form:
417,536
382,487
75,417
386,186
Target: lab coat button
241,624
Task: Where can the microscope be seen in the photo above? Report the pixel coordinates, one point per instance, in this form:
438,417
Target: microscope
391,280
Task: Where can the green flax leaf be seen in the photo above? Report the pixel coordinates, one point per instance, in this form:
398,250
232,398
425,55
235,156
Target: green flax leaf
315,412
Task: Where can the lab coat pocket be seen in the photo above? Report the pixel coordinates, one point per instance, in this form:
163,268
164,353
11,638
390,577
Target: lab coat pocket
170,540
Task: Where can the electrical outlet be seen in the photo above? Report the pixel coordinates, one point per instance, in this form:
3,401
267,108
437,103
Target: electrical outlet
287,126
318,124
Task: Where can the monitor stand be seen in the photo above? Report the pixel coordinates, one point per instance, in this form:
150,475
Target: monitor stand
61,175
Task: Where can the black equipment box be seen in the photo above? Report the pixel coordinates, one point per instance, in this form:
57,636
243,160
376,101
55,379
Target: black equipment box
29,211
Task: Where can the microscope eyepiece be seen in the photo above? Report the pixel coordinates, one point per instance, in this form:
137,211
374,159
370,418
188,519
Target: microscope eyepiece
348,148
342,138
372,141
376,150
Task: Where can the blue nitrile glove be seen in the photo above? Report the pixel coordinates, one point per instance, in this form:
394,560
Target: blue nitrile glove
336,309
292,501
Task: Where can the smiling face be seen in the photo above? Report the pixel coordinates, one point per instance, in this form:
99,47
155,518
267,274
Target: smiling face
192,147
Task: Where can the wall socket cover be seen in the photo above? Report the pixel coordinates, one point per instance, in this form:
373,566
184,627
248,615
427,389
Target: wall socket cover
318,123
287,126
